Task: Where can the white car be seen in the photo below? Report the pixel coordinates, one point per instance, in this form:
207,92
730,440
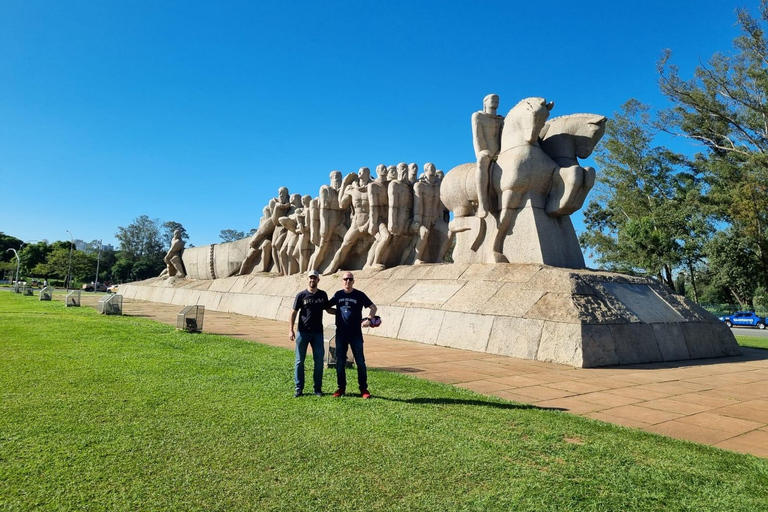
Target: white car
113,288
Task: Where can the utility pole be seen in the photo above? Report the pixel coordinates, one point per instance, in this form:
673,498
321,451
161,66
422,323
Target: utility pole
98,260
69,270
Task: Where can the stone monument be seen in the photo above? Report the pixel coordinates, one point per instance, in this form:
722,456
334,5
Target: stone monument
517,286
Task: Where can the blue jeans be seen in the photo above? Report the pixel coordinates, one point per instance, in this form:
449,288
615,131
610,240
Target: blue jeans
318,354
356,344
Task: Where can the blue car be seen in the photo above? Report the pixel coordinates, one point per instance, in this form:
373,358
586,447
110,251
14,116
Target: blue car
744,319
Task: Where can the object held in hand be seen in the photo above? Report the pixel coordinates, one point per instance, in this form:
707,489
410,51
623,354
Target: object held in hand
372,322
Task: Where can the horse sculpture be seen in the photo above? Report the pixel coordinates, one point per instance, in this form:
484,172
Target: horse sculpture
536,183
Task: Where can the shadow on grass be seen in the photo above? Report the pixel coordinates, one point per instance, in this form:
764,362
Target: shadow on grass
460,401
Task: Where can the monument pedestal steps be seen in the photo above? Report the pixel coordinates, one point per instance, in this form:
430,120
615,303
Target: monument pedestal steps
580,318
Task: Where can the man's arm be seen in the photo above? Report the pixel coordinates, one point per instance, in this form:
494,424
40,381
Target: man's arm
372,310
292,333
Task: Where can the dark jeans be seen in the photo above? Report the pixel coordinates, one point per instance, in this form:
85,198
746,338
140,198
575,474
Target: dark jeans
318,353
356,344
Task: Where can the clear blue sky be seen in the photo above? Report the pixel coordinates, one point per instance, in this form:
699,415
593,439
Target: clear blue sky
197,111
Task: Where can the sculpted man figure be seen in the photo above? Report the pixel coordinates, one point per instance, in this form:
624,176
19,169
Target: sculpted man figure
486,137
357,197
277,208
413,173
289,262
175,267
303,220
378,198
331,220
400,202
428,216
284,238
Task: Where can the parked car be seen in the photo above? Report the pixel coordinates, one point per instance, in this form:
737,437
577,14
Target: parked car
745,319
113,288
99,287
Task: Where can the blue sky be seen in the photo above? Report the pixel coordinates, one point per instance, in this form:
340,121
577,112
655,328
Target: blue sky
197,112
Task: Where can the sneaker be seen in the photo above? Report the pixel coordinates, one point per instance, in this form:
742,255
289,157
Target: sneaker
297,394
338,393
318,393
366,394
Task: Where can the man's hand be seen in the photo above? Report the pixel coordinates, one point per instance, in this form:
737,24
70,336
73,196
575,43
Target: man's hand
292,335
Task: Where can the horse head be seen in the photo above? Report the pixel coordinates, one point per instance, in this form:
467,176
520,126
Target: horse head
524,122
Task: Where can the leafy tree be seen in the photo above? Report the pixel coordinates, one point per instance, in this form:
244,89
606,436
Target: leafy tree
723,108
141,238
167,233
8,242
646,216
231,235
737,265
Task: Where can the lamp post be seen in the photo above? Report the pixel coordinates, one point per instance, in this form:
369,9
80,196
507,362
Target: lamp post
18,261
98,260
69,269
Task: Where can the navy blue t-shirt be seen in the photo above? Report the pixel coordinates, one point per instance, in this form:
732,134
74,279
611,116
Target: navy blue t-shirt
349,312
310,307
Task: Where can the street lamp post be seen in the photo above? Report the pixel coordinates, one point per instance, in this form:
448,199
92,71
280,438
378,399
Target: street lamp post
98,260
18,261
69,269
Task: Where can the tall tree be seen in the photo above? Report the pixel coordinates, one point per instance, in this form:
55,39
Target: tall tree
142,247
140,238
231,235
724,107
646,215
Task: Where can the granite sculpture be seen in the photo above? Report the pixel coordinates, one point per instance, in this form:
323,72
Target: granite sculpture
174,264
524,217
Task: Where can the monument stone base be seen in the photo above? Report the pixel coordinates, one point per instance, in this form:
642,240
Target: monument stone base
581,318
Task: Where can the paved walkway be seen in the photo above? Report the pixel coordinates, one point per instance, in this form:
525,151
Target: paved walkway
722,402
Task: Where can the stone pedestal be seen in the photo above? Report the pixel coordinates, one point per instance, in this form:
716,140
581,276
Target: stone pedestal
576,317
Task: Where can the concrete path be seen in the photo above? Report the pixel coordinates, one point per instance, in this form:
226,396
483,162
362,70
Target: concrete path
721,402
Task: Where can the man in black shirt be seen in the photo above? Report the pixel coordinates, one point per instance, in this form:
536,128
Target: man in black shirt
309,305
349,333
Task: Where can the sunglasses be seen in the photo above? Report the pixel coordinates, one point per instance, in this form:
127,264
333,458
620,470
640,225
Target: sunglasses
348,279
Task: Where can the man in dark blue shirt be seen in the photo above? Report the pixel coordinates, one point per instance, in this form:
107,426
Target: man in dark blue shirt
309,305
349,333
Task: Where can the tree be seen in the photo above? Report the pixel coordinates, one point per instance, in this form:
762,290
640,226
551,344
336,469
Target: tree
141,242
647,214
8,242
735,265
231,235
169,228
724,108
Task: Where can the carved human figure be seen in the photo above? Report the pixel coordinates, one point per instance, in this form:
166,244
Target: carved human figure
289,238
400,203
428,215
486,137
378,198
413,173
304,248
174,265
258,244
285,238
332,224
356,196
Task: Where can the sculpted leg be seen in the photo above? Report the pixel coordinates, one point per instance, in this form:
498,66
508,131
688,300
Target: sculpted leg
382,248
421,244
482,180
509,201
349,241
178,266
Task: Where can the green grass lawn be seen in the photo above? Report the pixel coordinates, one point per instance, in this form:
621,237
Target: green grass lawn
121,413
752,341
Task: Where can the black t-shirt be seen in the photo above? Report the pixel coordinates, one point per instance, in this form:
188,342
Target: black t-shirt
349,311
310,307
